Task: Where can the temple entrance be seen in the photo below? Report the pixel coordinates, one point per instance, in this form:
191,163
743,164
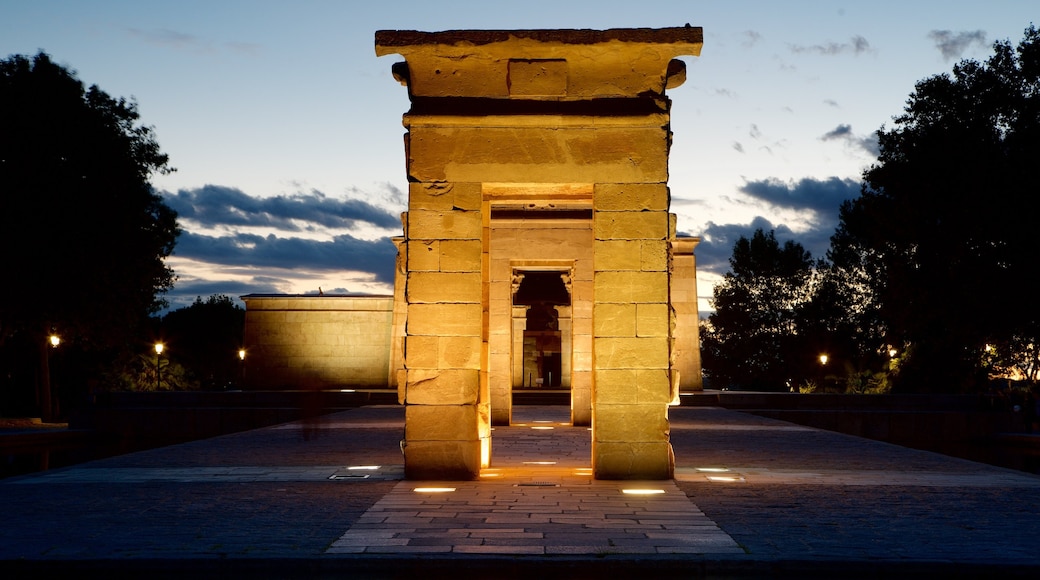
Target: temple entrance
538,246
541,296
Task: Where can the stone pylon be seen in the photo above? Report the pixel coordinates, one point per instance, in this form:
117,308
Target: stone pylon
538,240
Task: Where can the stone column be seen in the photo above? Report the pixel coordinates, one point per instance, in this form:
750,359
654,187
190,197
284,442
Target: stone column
631,328
686,348
447,427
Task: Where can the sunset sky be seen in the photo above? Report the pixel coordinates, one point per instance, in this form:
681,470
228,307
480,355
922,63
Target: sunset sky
285,128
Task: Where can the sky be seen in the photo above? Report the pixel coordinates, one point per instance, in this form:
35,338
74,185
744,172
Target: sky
285,128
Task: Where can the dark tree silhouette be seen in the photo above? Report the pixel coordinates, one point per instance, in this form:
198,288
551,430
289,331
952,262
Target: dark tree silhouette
82,235
753,340
944,234
205,338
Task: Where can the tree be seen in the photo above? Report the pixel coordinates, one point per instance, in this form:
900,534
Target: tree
945,223
83,237
205,338
753,338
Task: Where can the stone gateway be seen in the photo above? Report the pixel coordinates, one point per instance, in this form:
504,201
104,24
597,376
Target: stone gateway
538,246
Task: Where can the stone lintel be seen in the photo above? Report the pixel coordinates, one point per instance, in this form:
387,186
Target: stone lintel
561,64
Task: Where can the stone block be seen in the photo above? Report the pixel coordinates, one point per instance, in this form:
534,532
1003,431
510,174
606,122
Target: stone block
581,400
631,197
424,255
609,319
460,255
637,460
630,225
617,255
442,460
631,287
539,151
437,196
441,423
653,256
630,423
443,352
442,386
537,77
444,225
581,361
632,386
444,196
444,319
631,353
653,320
444,287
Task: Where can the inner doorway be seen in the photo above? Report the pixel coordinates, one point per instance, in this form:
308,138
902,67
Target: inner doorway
541,296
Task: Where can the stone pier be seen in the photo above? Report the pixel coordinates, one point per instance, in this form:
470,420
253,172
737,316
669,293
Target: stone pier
538,248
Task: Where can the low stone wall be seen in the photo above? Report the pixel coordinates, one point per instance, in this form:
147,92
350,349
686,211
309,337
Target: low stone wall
933,422
317,342
185,416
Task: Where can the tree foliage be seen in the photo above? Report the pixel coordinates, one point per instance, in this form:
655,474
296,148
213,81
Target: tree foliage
753,340
940,246
205,338
83,237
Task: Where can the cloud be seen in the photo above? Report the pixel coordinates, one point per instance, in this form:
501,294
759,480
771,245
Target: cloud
843,133
342,253
857,45
953,44
175,39
168,38
234,243
820,196
738,147
213,205
751,38
717,240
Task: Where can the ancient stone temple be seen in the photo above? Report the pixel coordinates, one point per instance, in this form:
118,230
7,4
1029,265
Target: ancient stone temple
538,246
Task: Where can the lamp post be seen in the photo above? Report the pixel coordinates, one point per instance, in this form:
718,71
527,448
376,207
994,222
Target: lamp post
241,367
158,370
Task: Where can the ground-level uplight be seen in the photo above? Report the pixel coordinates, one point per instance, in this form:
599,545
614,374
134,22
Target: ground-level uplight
434,489
642,491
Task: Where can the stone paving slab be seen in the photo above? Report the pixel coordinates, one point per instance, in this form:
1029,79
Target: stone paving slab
541,511
752,497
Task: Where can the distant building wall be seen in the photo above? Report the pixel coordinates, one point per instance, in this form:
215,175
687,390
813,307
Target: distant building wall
317,341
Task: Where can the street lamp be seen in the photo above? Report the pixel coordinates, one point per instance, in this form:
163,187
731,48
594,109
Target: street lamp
158,371
55,340
823,359
241,368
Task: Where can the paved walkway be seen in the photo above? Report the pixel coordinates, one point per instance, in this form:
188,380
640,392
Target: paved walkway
752,497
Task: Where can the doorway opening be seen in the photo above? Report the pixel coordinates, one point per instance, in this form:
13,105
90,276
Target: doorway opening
541,306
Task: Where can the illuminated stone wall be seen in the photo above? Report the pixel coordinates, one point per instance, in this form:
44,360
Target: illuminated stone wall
566,131
307,342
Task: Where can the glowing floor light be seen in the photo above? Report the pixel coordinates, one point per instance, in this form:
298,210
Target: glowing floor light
642,491
434,489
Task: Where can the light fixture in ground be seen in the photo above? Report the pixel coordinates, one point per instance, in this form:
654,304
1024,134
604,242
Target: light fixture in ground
642,491
539,463
364,467
712,469
434,489
724,478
